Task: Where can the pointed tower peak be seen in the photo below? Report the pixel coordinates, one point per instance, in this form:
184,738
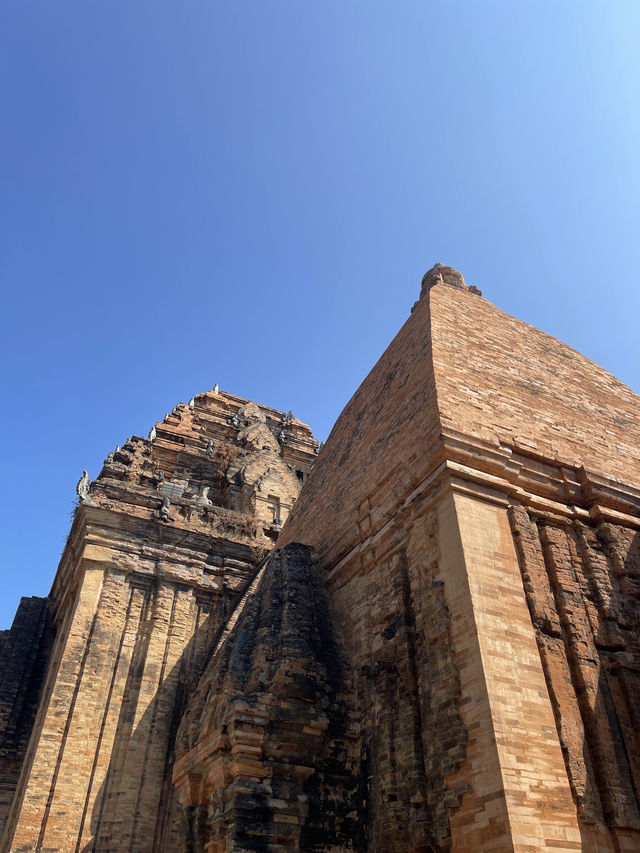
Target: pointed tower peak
442,274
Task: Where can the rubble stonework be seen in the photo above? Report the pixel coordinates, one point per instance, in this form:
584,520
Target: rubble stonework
441,653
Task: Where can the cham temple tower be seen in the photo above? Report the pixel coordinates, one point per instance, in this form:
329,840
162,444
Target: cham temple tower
424,637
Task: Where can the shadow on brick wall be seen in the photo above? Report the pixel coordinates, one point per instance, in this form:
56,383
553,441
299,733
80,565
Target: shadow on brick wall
272,691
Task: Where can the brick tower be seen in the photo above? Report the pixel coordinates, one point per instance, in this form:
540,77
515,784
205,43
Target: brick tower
473,522
482,564
441,654
163,546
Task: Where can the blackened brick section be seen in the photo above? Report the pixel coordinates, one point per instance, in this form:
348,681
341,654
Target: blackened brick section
24,652
283,768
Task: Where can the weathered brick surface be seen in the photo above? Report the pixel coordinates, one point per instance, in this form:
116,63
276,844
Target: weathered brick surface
507,382
141,593
270,757
588,578
24,652
532,776
382,446
499,414
442,655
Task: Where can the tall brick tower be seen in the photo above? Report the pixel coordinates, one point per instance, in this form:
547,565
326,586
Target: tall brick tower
164,545
441,654
482,564
474,522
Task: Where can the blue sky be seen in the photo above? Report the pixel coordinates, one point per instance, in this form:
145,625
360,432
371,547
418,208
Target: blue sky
248,193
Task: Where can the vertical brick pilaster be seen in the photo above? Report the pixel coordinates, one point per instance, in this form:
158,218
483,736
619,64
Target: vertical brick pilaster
519,771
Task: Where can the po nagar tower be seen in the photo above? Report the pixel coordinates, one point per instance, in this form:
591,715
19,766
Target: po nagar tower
424,637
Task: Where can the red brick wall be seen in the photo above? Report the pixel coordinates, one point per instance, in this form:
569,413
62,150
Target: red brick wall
505,381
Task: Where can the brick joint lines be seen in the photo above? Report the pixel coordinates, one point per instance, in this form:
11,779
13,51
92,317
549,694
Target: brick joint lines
423,637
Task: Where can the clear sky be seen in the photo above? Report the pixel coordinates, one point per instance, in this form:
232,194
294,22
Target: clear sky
248,193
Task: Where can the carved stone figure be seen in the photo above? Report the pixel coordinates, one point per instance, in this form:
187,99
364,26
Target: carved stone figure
164,509
82,488
203,496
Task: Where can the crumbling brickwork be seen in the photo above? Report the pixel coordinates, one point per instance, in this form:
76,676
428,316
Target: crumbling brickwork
163,545
441,655
469,418
270,753
582,585
395,624
24,653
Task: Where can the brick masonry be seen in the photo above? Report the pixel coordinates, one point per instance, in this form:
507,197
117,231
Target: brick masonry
472,426
163,546
441,654
24,653
269,753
